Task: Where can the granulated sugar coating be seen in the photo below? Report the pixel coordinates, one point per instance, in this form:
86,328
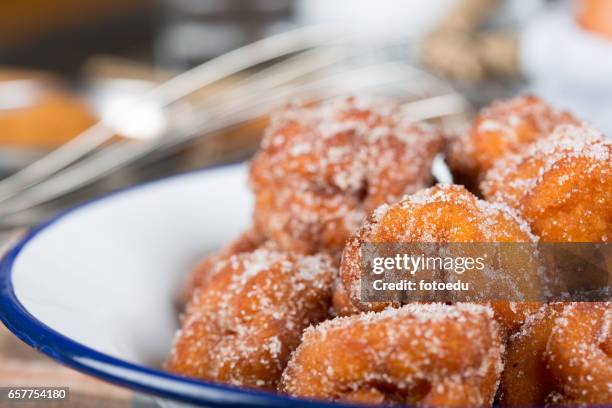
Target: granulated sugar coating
447,214
321,167
562,185
526,381
243,322
562,356
502,128
426,355
205,269
306,221
579,354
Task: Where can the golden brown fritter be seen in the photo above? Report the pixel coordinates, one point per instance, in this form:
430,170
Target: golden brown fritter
500,129
204,269
562,356
320,168
562,185
245,321
451,214
525,381
579,354
431,355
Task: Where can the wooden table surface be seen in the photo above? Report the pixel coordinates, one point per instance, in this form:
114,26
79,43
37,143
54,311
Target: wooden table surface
21,366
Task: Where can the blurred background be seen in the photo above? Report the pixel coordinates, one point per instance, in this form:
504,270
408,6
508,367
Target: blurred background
67,64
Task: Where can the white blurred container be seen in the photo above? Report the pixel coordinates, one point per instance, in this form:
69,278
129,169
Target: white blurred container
568,66
375,19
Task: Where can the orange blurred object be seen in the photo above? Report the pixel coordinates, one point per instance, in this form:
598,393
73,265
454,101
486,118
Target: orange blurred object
37,113
596,16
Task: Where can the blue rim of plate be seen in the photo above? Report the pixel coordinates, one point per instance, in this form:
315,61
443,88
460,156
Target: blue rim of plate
137,377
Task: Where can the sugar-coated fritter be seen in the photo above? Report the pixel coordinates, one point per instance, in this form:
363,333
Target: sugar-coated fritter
525,381
431,355
305,221
562,185
512,314
242,325
342,304
450,214
502,128
320,168
205,268
579,354
562,356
